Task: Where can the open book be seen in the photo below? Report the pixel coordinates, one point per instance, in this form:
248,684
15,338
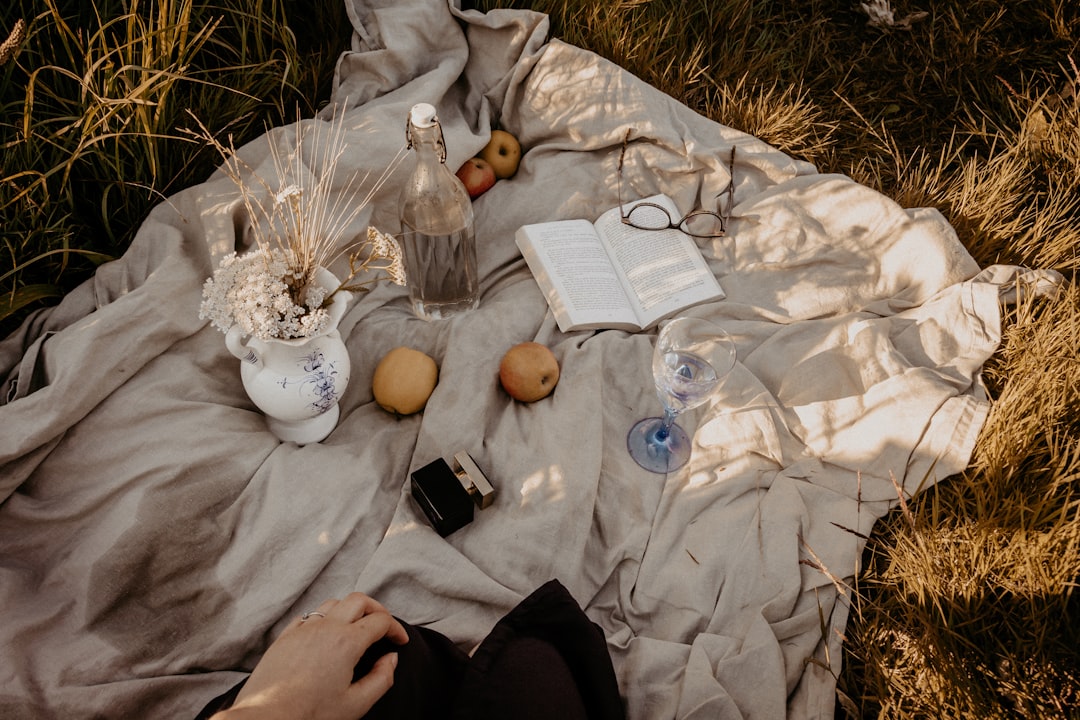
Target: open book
611,275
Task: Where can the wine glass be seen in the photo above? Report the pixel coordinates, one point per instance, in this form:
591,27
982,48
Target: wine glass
692,356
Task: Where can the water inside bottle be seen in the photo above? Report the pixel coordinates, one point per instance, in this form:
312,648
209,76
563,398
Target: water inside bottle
442,271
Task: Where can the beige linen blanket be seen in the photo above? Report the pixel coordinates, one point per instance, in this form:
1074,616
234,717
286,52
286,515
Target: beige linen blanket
154,536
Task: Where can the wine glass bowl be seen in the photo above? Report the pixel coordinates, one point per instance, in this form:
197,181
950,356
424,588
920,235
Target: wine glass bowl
691,358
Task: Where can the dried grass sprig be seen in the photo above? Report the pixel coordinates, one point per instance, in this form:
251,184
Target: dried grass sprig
10,47
299,219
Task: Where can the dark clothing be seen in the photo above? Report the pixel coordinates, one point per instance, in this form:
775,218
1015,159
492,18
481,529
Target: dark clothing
545,660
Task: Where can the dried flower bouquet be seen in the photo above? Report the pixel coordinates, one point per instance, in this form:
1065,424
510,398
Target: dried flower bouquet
270,291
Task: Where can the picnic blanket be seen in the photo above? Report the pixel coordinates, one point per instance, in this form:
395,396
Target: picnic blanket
155,537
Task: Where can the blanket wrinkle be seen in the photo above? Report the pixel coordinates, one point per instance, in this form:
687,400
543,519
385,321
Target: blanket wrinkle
155,537
67,376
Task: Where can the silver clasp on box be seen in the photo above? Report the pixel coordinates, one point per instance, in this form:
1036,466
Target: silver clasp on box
473,479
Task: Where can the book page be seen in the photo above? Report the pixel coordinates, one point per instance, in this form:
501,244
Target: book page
577,277
664,268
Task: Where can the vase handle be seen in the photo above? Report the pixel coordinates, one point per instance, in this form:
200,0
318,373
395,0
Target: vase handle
236,342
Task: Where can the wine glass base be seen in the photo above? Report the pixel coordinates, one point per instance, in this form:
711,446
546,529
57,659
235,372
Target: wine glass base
656,454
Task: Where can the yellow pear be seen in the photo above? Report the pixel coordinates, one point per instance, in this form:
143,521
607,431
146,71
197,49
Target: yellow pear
404,380
503,153
529,371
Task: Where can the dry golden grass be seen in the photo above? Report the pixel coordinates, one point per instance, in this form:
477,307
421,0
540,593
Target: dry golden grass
969,610
93,98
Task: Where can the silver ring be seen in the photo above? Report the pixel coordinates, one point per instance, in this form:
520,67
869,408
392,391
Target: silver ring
309,615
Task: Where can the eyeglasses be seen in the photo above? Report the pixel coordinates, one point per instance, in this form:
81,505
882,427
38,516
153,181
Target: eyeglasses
698,223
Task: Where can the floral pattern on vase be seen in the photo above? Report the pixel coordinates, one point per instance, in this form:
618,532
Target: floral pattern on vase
323,375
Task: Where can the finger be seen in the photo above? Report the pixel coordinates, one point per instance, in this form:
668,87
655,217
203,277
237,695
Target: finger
397,632
355,606
366,691
372,628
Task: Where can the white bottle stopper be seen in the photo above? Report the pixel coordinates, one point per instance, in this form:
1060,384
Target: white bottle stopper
423,115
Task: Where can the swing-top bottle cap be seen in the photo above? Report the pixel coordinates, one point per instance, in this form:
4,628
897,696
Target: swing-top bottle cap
423,115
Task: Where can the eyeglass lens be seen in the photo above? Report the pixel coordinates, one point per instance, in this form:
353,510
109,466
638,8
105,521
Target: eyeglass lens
700,223
646,216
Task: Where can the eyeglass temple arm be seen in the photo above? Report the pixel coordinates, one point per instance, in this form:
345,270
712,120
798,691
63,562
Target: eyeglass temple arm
730,187
625,142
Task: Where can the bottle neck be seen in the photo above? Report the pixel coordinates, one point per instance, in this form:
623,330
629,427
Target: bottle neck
427,142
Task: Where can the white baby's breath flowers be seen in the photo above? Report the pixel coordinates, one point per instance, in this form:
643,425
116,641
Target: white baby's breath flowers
270,291
250,291
287,193
879,12
387,247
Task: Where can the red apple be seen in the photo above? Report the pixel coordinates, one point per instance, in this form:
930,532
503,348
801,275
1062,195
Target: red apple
477,175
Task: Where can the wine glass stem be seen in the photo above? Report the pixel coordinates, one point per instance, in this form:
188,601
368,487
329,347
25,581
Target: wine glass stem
665,429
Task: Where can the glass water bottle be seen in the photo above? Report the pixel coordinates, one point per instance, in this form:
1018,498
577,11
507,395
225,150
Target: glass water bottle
437,226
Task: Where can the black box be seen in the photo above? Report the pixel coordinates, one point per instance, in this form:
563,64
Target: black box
447,495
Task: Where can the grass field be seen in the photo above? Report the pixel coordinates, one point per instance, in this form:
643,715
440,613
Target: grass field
966,605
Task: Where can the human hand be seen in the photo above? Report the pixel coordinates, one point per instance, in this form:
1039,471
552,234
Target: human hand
307,672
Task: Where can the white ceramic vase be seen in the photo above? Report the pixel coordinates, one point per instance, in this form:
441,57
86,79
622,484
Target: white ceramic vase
297,383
